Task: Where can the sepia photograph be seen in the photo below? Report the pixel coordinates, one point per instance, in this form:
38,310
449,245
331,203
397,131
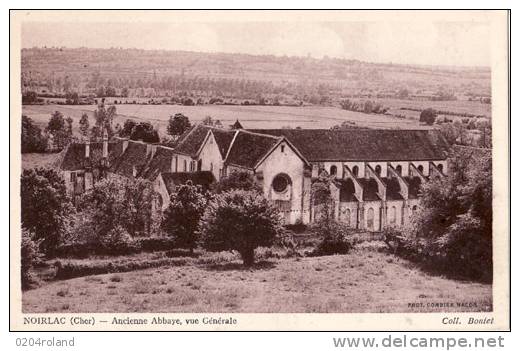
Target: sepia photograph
253,167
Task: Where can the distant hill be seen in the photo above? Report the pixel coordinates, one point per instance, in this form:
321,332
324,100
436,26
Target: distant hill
153,73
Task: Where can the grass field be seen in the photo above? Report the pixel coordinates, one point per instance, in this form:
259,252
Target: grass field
363,281
249,116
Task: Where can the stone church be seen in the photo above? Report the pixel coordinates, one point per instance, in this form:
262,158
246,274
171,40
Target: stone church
377,173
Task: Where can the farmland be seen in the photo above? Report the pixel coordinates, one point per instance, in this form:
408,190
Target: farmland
364,280
249,116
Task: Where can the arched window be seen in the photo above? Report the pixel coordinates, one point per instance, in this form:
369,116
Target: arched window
355,171
392,215
199,165
420,169
333,170
414,209
378,170
441,168
370,219
399,170
185,166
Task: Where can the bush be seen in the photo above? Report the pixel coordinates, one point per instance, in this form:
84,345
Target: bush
117,241
333,238
240,220
93,248
428,116
30,255
69,270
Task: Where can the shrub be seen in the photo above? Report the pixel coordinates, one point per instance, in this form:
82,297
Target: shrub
29,257
137,245
240,220
70,269
181,217
117,241
298,227
333,238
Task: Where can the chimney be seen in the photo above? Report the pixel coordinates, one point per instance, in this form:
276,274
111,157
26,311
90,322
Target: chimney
105,143
87,148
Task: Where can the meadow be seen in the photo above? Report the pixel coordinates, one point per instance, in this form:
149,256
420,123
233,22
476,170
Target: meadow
365,280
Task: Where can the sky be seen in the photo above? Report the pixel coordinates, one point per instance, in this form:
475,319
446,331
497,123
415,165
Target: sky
405,42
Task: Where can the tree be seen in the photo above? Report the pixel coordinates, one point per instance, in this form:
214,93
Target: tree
110,91
68,128
453,229
72,98
428,116
128,126
60,130
181,217
84,125
32,138
145,131
178,124
240,220
113,203
332,234
403,93
237,181
29,98
100,92
124,92
45,207
103,121
208,121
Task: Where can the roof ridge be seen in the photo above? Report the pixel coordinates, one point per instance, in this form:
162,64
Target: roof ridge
260,134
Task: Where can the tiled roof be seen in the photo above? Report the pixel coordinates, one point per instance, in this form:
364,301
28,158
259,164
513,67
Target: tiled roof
223,139
364,144
203,178
73,157
190,142
160,162
249,148
135,155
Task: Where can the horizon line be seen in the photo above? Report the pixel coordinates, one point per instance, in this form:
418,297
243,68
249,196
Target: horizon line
325,57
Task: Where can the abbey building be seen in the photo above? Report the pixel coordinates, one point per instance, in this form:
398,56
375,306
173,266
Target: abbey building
377,173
